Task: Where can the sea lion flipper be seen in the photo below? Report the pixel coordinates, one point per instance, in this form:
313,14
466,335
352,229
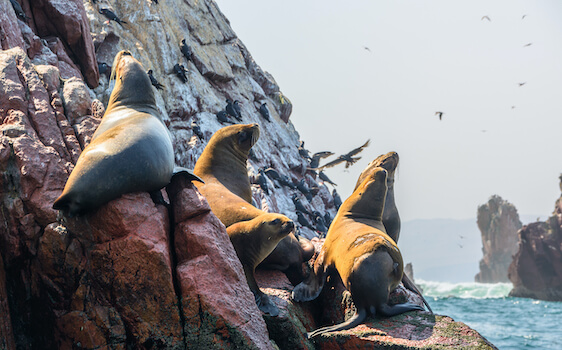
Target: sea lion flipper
411,286
266,305
189,173
355,320
397,309
310,288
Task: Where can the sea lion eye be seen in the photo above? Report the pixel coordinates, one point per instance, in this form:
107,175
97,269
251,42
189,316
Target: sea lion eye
275,222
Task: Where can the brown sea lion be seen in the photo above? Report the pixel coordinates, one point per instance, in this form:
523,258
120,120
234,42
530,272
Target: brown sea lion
365,257
390,215
131,149
222,166
253,241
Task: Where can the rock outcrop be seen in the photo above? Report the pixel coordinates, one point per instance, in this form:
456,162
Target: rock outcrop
134,274
536,270
498,222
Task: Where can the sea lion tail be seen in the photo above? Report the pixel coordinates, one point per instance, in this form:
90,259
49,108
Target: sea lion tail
187,172
355,320
411,286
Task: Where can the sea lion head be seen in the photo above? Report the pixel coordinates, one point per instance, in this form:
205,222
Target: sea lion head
388,161
367,201
132,84
238,138
277,226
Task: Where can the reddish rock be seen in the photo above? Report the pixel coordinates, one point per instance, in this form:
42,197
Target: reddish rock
219,309
11,34
68,21
498,222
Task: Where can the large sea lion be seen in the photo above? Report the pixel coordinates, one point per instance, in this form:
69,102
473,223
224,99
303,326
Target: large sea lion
131,149
222,166
390,215
253,241
365,257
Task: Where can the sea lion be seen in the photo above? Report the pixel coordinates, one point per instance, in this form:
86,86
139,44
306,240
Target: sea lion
131,149
365,257
253,241
222,166
390,215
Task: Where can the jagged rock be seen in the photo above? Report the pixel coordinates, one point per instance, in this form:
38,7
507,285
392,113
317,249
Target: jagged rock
536,270
76,99
6,332
498,222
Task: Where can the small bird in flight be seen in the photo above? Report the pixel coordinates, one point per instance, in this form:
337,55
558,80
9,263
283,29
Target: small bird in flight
529,44
523,16
486,17
440,114
366,48
521,84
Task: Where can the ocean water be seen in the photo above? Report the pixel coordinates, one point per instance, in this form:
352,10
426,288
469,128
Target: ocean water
508,323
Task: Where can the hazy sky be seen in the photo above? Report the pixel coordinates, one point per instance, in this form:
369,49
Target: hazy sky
496,137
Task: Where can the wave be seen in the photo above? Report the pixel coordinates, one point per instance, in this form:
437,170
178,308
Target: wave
464,290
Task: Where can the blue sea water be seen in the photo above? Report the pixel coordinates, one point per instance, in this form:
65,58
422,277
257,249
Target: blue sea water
508,323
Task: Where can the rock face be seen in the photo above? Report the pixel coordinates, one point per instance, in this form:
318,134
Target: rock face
536,270
498,222
134,274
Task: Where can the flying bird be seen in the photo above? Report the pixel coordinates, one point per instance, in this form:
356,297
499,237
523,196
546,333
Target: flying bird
529,44
347,158
440,114
523,16
521,84
315,160
486,17
366,48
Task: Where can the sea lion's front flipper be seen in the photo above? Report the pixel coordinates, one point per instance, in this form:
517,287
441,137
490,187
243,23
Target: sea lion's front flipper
265,304
189,173
411,286
310,288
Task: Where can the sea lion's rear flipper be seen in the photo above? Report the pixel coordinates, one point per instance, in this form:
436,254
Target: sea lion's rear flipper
392,310
411,286
186,172
157,197
355,320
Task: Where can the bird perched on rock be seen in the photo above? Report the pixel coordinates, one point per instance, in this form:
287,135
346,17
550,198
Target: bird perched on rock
153,80
347,158
181,72
282,179
264,112
298,204
104,69
238,110
223,117
319,222
302,186
328,219
111,16
325,178
315,160
262,181
337,199
231,110
19,11
303,221
185,50
196,129
303,151
272,173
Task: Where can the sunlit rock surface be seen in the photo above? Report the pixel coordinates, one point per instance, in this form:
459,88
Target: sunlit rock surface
498,222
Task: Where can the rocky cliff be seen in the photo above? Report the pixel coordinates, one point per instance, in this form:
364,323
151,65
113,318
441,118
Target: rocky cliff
132,274
536,270
498,222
